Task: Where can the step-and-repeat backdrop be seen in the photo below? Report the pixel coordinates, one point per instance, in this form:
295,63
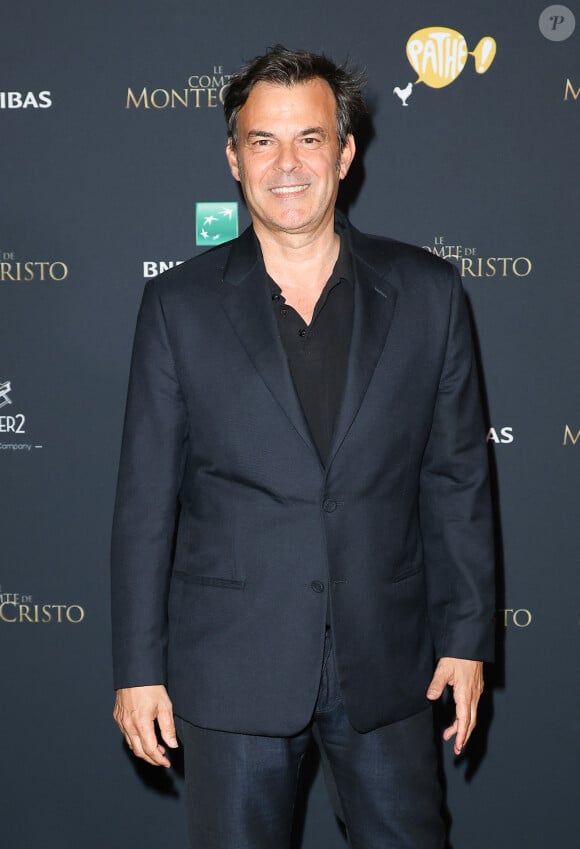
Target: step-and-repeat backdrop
112,170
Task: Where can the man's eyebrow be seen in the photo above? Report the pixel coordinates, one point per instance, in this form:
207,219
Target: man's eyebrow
311,131
262,133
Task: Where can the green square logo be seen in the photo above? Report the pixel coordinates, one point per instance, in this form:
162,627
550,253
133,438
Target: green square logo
215,223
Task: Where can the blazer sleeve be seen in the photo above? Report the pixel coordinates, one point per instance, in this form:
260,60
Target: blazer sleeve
455,504
146,508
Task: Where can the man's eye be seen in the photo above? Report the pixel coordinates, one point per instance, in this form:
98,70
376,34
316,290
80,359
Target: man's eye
262,142
310,141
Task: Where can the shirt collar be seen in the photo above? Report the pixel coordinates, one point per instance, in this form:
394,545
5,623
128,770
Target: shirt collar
342,272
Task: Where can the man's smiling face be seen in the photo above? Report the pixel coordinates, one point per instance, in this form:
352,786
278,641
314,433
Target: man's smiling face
287,158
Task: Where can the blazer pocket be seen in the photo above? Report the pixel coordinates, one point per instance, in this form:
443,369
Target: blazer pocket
209,581
416,570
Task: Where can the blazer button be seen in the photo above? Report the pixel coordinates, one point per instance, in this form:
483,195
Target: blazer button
317,586
329,506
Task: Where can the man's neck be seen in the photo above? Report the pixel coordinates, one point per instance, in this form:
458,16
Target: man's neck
299,262
301,265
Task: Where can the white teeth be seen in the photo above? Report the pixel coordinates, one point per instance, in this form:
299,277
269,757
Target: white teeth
287,190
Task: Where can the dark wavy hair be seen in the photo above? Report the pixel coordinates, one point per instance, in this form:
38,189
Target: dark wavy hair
290,67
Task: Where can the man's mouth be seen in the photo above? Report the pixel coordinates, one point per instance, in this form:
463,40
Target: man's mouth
289,190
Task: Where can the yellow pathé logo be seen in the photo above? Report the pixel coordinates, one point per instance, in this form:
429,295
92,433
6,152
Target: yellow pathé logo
438,55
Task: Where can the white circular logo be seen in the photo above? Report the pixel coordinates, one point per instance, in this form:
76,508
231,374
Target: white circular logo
557,23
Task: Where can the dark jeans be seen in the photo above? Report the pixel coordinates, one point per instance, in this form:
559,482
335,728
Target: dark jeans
241,788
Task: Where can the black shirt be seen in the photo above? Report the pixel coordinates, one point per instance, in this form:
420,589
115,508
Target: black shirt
318,352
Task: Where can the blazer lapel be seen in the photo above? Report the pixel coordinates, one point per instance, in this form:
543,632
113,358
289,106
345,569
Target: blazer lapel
374,307
245,299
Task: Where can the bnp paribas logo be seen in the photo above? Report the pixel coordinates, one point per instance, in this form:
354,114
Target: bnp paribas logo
215,223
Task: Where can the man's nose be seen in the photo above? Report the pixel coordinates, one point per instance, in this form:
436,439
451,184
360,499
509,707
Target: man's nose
287,159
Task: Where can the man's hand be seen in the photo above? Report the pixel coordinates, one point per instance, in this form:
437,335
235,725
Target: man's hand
136,709
466,678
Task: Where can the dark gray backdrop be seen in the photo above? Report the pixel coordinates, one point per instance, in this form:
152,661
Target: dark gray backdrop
485,167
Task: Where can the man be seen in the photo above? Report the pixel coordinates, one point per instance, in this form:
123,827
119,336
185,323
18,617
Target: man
302,526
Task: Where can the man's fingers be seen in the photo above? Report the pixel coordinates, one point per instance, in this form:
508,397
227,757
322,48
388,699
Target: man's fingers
463,722
144,751
151,749
451,730
142,741
167,727
466,678
472,720
460,729
438,683
136,709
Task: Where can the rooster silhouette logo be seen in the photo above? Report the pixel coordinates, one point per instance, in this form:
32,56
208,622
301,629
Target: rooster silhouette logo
404,93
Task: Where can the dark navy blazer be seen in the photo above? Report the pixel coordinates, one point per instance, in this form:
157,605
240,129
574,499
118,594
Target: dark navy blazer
229,534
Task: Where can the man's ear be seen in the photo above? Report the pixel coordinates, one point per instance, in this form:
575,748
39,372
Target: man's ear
346,156
232,158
